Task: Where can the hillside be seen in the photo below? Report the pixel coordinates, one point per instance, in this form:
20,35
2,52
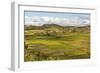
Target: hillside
55,42
45,26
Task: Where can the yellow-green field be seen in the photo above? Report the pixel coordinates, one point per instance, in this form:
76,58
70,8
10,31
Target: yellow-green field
56,44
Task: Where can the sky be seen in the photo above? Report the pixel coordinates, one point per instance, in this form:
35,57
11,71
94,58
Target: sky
37,18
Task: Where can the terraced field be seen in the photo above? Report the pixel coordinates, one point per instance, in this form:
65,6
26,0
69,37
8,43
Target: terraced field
56,44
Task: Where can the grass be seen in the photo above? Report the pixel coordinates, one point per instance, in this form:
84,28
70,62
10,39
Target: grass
73,45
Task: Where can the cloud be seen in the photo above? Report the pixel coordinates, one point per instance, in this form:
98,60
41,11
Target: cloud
28,20
45,18
85,17
39,21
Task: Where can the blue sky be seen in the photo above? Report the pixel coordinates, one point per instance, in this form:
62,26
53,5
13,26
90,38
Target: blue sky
37,18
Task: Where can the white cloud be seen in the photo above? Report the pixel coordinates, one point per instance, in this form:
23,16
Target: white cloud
28,20
45,18
85,17
38,21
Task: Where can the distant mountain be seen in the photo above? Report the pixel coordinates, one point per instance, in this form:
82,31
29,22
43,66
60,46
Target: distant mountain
44,26
50,25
